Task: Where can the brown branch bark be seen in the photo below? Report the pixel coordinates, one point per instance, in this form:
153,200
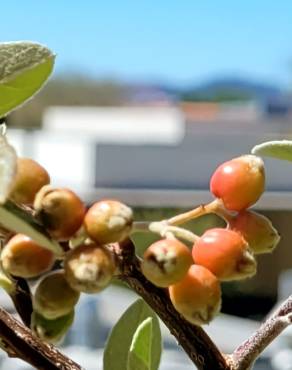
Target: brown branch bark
22,300
247,353
196,343
18,341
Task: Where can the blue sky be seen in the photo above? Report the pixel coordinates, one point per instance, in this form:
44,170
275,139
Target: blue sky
181,42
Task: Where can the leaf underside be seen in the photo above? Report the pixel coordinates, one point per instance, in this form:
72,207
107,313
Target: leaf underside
279,149
24,68
15,219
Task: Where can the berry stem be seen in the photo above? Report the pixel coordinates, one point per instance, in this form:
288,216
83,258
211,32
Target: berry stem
141,226
165,230
216,207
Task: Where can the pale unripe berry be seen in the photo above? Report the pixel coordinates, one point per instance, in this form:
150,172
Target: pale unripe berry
197,297
166,262
51,331
60,210
108,221
257,230
225,253
23,257
30,178
89,268
240,182
54,297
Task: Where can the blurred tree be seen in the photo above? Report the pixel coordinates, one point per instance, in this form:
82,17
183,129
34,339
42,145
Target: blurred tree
69,90
218,95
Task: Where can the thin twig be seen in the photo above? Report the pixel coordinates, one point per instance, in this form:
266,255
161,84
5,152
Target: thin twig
163,228
246,354
18,341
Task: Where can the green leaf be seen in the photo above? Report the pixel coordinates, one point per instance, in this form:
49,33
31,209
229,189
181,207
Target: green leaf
24,68
280,149
8,164
14,218
140,351
121,338
51,331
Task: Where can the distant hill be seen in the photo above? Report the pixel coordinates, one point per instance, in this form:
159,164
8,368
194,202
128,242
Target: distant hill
226,89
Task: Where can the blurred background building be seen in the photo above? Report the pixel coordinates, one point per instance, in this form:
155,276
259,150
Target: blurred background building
146,101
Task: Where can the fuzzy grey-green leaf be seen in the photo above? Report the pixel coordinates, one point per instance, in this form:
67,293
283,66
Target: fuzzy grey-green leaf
280,149
140,350
24,68
119,343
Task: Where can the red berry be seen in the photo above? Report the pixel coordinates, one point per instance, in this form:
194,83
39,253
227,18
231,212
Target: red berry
225,253
240,182
197,297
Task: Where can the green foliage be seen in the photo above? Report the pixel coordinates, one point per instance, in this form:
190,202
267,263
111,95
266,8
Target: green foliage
280,149
140,350
131,343
70,90
54,330
223,95
24,68
8,164
16,219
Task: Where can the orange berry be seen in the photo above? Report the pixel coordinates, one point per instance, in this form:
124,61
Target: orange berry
108,221
54,297
166,262
61,211
30,178
240,182
22,257
89,268
225,253
257,230
197,297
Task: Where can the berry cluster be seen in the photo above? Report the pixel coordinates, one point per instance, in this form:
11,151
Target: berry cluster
192,277
220,254
87,267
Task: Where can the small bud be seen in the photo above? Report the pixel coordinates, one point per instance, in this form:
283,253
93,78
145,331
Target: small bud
51,331
22,257
257,230
225,253
89,268
166,262
197,297
61,211
108,221
54,297
240,182
30,178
